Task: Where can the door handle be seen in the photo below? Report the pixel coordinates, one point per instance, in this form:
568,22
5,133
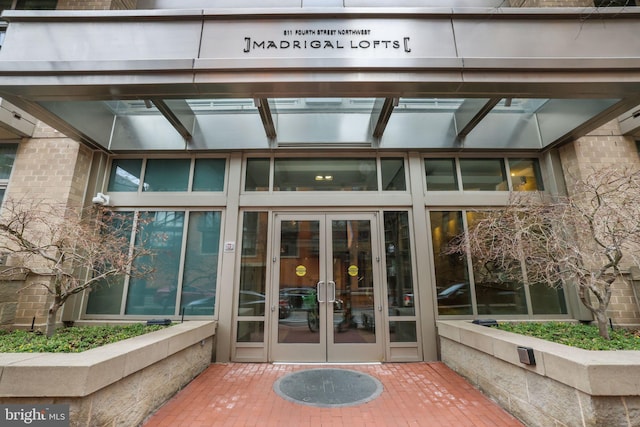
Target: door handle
332,284
319,290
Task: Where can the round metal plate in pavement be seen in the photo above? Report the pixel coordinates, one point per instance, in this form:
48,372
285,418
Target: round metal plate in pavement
328,388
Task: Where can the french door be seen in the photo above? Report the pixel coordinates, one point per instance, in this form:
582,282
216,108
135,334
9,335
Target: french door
326,289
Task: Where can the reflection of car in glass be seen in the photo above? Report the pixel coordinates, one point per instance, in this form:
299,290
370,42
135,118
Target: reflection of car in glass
251,303
167,295
202,306
496,294
284,308
454,295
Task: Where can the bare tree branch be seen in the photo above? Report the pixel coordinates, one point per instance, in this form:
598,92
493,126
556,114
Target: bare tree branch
74,250
588,239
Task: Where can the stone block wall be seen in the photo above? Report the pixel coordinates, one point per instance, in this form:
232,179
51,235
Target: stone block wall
50,167
53,168
566,387
134,398
32,304
602,147
96,4
536,400
623,308
119,384
551,3
9,294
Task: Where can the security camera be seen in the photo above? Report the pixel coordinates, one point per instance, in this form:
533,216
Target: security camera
100,199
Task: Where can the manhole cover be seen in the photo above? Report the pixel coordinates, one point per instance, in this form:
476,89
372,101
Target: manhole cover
328,387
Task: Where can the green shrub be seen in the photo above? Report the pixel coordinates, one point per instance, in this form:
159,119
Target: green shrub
70,340
576,335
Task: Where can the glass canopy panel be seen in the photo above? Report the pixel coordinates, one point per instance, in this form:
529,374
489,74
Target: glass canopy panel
322,120
427,105
237,123
533,123
422,123
226,123
511,124
321,105
131,108
222,106
126,125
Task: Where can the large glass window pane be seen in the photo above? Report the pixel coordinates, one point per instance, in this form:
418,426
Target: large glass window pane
483,175
325,175
547,300
298,275
5,4
353,309
257,178
441,174
525,175
393,175
200,276
7,157
614,3
161,232
106,297
208,175
253,268
125,175
167,175
494,295
400,290
452,278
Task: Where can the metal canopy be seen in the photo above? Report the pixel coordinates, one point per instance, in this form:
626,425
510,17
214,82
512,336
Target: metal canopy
390,78
14,122
471,113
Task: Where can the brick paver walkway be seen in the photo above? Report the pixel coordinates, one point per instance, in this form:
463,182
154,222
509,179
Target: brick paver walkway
415,394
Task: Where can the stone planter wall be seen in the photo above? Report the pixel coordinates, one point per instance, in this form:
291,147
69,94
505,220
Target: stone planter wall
566,387
117,384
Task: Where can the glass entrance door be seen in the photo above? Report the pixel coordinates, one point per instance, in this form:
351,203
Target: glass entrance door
327,280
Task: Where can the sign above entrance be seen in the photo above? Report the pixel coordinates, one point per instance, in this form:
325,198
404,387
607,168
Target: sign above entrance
340,38
339,41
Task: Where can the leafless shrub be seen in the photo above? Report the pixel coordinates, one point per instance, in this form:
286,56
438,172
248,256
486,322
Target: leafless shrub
75,250
589,239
